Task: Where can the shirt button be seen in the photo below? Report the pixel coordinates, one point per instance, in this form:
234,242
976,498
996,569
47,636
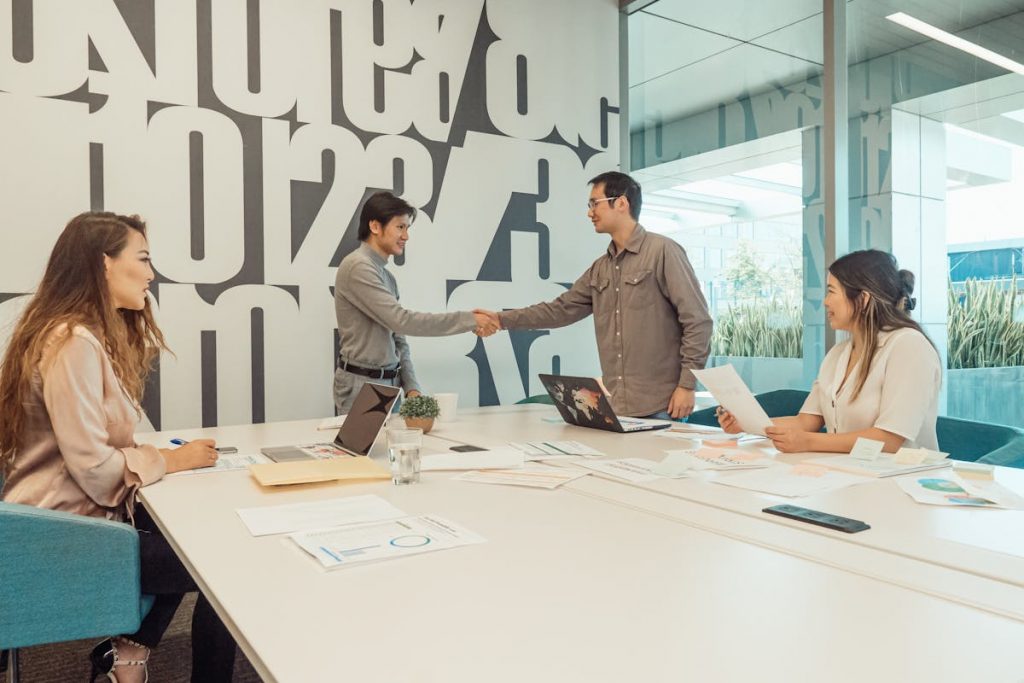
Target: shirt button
617,334
616,289
620,355
616,267
616,311
620,376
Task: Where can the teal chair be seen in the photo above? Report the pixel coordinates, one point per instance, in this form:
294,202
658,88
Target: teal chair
65,577
982,442
778,403
537,398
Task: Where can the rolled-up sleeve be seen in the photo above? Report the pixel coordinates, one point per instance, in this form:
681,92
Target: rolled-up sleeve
73,391
913,375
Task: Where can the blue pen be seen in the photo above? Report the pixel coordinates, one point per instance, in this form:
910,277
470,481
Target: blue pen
222,449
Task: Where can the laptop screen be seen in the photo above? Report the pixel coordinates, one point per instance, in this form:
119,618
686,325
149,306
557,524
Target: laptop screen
366,417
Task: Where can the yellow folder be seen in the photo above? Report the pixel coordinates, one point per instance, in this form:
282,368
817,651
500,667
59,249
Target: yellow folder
308,471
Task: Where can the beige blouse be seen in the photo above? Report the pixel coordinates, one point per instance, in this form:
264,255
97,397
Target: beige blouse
79,453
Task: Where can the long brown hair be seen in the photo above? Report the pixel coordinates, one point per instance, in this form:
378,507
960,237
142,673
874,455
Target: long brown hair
74,291
887,306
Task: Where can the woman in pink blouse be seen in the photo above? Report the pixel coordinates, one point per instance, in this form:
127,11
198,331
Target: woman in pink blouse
70,389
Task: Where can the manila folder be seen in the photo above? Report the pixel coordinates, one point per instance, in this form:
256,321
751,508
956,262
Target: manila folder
308,471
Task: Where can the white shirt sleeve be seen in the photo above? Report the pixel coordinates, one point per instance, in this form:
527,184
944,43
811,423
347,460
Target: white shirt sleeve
912,379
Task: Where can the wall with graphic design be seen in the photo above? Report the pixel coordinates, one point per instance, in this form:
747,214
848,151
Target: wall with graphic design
248,132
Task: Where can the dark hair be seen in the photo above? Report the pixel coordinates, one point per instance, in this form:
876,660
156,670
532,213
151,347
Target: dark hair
886,309
382,206
620,185
74,291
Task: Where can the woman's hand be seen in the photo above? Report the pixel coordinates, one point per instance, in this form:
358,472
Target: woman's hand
789,439
193,455
728,423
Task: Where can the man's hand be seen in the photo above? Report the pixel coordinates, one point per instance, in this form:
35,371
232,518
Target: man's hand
487,322
681,403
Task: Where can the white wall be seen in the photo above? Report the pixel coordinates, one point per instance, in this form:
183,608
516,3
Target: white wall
247,135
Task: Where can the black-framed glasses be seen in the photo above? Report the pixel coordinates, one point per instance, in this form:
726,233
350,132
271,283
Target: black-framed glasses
592,203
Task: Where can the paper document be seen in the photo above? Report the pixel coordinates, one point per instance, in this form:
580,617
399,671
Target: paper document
497,459
731,392
941,491
721,459
542,450
636,470
281,519
884,465
791,481
383,540
534,475
228,463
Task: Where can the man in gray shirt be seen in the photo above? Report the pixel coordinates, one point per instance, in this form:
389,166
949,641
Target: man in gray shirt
372,325
651,320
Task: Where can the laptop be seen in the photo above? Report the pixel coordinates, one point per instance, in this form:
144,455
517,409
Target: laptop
358,432
581,401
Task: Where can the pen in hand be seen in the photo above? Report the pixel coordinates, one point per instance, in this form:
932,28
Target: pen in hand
224,450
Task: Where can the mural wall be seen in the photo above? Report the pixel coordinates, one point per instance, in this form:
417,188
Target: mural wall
248,132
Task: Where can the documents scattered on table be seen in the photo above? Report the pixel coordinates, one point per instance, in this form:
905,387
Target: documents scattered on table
545,450
534,475
904,461
383,540
723,459
675,465
635,470
281,519
791,481
731,392
308,471
935,491
496,459
228,463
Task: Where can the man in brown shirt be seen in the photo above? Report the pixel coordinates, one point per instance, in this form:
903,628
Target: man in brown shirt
651,320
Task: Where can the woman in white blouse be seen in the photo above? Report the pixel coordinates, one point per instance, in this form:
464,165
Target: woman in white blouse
882,383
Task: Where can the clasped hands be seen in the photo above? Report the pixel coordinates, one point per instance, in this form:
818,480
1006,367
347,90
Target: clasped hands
487,322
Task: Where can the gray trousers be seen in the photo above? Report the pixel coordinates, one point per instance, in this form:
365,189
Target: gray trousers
347,385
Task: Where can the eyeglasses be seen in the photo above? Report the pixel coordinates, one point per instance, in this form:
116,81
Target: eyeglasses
592,203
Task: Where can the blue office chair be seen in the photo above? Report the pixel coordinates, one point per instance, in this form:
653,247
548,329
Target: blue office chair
982,442
65,577
537,398
778,403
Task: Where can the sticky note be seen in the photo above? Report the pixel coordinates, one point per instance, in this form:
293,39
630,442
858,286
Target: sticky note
866,449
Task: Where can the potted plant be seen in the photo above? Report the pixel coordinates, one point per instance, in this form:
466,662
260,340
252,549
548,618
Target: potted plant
419,412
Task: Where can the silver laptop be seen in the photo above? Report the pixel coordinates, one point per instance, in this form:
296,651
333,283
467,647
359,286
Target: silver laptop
358,433
581,401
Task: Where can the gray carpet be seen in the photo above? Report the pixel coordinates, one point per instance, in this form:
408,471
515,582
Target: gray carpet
169,663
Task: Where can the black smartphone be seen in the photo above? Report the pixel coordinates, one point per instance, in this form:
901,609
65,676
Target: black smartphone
466,448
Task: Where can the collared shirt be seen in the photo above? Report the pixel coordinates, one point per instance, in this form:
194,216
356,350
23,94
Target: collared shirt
79,453
900,395
650,317
372,325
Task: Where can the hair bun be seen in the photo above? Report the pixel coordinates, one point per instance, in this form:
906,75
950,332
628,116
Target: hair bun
907,282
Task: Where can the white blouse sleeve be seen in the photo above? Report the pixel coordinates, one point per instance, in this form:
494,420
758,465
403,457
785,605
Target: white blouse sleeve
912,378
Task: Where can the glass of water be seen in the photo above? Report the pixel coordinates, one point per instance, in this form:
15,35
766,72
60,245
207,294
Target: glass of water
404,454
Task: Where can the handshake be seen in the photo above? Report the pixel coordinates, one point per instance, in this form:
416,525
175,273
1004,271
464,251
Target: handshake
487,322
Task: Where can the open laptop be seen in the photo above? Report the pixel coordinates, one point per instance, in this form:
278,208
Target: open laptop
358,433
581,401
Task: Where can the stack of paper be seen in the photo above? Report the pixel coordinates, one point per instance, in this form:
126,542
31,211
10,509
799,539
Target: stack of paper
635,470
281,519
533,475
961,492
546,450
722,459
383,540
307,471
885,465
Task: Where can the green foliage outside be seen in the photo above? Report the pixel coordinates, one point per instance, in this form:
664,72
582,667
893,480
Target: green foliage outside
767,330
985,325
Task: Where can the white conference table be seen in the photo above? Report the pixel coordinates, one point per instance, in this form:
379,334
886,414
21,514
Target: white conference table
567,588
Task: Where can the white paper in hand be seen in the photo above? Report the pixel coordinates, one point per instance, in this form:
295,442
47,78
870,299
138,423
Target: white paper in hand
732,393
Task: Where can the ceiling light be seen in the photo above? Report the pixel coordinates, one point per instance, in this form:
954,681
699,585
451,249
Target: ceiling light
957,42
